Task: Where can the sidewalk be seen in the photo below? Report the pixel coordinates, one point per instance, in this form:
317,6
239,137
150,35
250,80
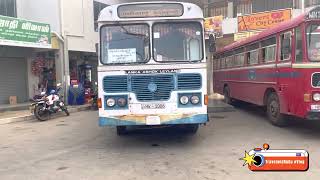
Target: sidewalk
24,115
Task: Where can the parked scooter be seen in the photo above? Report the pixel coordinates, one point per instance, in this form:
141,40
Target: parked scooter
48,104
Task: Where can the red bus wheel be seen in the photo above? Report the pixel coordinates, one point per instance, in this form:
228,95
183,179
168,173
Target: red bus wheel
273,111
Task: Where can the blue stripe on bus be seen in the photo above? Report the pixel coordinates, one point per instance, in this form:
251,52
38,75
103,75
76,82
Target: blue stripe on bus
196,119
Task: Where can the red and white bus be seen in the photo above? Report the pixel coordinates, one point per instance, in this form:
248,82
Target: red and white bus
278,68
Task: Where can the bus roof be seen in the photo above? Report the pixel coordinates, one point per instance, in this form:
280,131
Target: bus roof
190,11
266,33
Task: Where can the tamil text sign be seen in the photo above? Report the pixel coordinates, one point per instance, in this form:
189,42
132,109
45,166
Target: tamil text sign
263,20
18,32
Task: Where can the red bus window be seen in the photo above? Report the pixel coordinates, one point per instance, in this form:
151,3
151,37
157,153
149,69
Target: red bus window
285,46
268,51
253,57
313,44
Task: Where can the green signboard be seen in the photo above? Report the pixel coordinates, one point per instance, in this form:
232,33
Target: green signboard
18,32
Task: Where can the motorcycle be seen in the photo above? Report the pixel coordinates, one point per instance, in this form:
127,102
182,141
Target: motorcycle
48,104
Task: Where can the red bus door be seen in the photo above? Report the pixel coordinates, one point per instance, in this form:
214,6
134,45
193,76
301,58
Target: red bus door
284,70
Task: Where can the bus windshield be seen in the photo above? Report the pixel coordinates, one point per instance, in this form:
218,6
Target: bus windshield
177,41
125,44
313,42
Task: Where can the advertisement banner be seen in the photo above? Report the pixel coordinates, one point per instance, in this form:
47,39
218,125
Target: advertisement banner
263,20
24,33
243,35
213,25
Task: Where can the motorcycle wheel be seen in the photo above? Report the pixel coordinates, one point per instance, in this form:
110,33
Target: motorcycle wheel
64,109
41,115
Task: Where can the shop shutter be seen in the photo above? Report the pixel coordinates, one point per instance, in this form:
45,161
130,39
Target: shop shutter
13,79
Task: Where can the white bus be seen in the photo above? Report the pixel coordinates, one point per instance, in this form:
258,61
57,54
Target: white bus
152,69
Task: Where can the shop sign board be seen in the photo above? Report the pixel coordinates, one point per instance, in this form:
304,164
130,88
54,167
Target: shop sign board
243,35
24,33
213,25
263,20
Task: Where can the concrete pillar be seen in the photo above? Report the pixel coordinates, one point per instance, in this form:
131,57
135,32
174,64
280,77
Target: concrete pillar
59,64
230,9
66,68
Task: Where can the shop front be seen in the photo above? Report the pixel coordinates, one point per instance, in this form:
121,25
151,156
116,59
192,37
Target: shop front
20,65
83,76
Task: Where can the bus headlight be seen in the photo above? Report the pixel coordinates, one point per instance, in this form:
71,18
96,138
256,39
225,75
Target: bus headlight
195,99
122,102
111,102
184,100
316,96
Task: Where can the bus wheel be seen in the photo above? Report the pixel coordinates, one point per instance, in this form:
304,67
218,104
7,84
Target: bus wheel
273,111
226,94
121,130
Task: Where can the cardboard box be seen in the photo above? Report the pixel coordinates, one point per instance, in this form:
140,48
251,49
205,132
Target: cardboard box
13,100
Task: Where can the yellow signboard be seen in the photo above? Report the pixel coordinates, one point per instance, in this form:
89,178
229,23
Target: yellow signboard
263,20
54,42
213,25
243,35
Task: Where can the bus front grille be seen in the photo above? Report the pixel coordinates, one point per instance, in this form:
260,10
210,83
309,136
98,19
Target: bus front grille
189,81
152,87
115,84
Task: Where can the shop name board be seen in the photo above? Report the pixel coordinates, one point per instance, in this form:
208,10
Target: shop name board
263,20
18,32
243,35
213,25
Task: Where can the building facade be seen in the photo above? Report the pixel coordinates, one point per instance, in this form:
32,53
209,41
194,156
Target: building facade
25,71
232,9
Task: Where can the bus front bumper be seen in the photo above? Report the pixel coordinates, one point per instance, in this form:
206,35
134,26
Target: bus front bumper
164,120
313,115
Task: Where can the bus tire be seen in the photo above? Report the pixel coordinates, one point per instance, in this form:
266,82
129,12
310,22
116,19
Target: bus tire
273,111
121,130
226,94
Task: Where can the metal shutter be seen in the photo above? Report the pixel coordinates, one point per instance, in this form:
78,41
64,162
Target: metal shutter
13,80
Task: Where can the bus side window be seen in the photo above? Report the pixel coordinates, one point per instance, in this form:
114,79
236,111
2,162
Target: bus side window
298,43
241,59
285,45
268,50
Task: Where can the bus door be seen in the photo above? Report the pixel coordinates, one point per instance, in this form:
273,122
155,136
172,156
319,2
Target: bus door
284,70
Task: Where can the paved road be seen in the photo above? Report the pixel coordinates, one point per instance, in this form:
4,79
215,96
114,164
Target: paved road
76,148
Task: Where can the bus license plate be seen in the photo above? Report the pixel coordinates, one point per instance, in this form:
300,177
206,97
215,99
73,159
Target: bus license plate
153,106
153,120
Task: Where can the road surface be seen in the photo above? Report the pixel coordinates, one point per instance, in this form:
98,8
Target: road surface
75,147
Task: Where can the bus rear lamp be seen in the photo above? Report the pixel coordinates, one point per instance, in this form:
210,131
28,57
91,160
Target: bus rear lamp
184,100
206,99
195,99
307,97
122,102
316,96
99,103
111,102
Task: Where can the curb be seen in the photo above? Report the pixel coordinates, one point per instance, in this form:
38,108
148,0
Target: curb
31,116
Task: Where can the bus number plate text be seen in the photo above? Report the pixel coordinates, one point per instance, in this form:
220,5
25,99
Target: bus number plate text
153,106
